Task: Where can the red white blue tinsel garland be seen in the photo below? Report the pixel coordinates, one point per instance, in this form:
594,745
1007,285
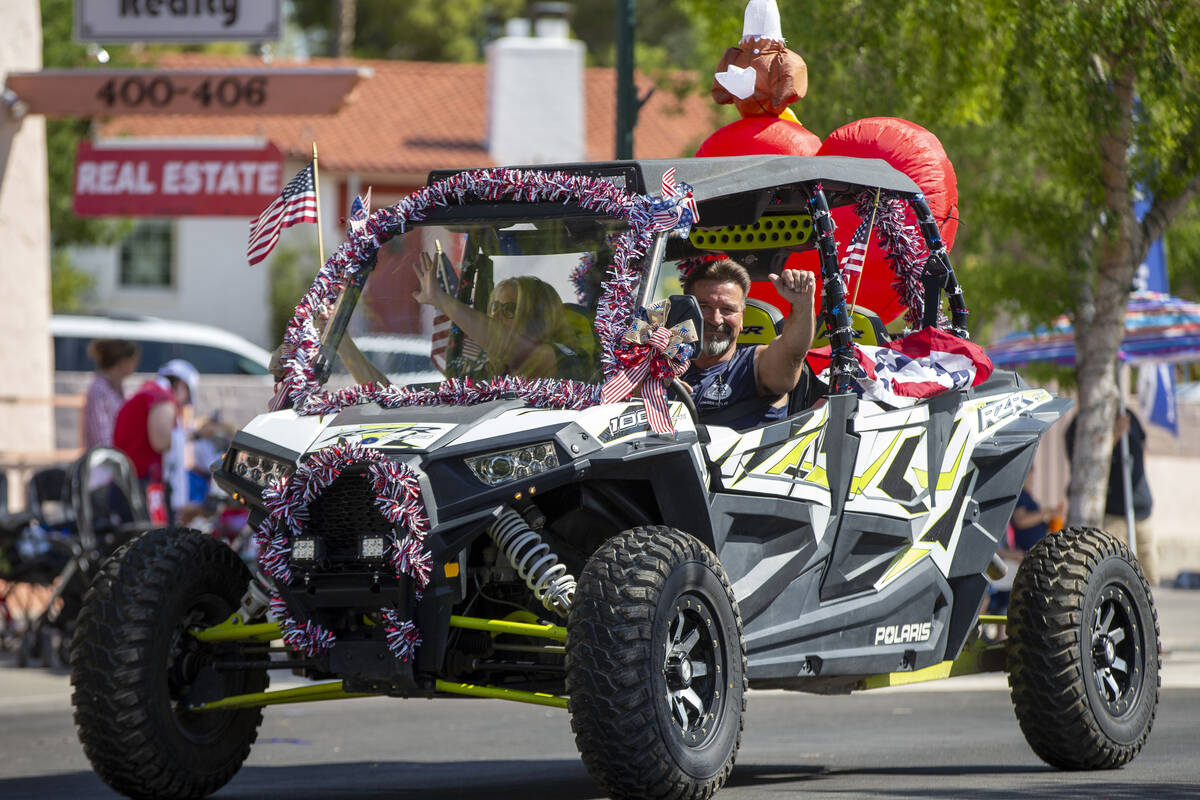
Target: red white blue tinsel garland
616,306
403,636
310,638
398,498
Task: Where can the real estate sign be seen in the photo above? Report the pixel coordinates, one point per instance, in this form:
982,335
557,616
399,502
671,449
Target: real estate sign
177,20
116,179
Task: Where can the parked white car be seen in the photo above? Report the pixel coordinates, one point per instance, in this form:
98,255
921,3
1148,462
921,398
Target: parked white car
211,350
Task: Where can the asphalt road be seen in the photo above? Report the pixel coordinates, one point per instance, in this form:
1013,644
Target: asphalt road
949,739
891,744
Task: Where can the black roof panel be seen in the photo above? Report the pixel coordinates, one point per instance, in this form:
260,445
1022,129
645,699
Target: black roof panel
712,178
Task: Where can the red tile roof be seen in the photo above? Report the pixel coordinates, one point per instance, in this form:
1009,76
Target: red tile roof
410,117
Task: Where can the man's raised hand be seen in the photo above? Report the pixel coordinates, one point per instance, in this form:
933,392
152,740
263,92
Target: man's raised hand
797,286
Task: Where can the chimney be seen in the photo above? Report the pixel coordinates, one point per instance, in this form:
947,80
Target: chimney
535,91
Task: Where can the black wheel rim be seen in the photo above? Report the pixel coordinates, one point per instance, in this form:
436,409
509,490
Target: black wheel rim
1118,655
694,668
187,659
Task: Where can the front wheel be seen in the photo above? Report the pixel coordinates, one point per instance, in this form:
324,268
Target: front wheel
656,667
135,668
1083,651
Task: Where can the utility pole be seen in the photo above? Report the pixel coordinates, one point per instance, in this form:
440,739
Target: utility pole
627,104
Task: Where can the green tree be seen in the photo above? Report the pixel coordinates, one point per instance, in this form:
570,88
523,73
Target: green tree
288,281
416,30
1053,113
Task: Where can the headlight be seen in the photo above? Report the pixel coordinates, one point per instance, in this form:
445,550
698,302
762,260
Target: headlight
509,465
260,469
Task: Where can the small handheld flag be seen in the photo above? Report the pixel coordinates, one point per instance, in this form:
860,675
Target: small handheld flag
296,203
360,210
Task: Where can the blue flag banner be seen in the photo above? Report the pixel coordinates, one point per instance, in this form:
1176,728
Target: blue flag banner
1152,273
1156,393
1156,380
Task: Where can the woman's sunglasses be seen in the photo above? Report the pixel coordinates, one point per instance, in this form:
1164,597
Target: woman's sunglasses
509,310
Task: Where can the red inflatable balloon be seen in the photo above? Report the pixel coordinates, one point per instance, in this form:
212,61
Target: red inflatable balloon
761,136
914,151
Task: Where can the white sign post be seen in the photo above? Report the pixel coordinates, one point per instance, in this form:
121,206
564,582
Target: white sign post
177,20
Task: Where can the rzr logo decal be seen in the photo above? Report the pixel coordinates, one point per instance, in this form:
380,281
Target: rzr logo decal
1001,410
899,634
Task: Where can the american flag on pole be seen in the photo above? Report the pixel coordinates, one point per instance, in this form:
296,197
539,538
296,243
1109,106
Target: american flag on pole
296,203
447,278
856,251
360,209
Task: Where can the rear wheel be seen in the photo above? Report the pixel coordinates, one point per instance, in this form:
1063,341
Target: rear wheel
1083,651
656,667
135,668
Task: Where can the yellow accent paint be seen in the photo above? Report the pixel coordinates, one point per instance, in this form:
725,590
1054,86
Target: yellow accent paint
789,116
332,690
969,662
903,562
860,482
922,477
816,475
793,457
946,479
555,632
452,569
499,693
232,630
766,233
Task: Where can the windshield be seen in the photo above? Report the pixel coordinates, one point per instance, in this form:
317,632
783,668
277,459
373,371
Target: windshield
483,300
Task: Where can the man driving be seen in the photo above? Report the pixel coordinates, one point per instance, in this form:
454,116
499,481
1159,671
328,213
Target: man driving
743,387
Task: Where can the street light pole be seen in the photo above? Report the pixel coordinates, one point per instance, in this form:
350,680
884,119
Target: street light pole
626,93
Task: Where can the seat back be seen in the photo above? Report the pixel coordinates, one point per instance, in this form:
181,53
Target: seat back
874,332
761,322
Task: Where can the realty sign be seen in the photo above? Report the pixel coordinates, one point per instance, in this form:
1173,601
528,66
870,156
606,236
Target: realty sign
142,181
177,20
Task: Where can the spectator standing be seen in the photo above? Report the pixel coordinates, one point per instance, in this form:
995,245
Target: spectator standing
1141,499
115,361
146,423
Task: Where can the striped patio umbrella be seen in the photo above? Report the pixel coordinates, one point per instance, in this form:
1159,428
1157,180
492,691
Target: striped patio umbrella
1158,327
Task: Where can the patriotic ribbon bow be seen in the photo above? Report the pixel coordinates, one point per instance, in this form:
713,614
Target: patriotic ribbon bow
651,350
676,209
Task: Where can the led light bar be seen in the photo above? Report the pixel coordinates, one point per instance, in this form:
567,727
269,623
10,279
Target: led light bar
371,547
307,550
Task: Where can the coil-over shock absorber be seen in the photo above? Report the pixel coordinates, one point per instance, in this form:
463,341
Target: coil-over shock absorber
533,560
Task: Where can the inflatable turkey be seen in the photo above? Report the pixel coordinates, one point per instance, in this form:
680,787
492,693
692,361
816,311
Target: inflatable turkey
761,78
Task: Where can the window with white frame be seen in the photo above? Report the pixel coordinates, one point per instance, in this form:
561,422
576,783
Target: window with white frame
147,255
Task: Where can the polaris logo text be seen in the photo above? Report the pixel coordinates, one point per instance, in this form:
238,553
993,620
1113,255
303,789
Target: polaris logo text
898,634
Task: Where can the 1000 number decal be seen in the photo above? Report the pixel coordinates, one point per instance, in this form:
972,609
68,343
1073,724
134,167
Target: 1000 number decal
160,91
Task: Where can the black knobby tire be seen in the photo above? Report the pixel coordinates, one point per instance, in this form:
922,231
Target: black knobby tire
656,667
1083,654
132,662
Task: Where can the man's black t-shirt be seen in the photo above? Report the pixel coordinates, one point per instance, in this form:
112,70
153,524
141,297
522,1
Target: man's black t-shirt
728,383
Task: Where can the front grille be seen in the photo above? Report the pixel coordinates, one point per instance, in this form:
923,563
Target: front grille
345,511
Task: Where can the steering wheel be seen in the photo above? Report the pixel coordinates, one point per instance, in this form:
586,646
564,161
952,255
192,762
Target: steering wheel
685,397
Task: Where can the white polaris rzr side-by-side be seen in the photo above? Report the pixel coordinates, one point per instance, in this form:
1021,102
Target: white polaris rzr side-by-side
524,531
